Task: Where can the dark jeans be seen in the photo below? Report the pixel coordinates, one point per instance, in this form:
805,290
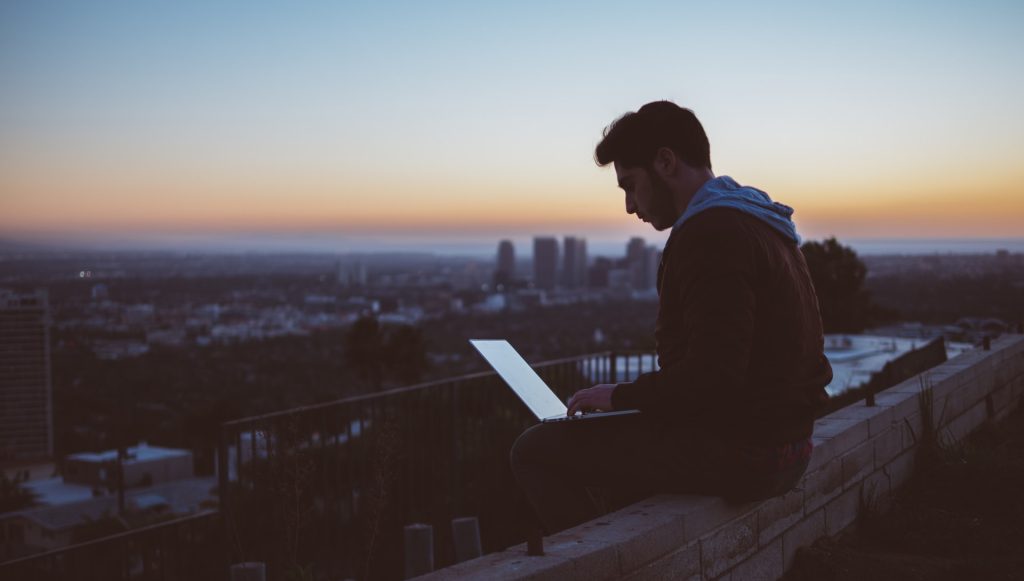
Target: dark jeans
554,463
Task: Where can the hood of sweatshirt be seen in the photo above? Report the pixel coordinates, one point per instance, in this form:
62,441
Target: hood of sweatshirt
724,192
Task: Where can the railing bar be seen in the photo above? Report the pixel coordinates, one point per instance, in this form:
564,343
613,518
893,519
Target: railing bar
390,392
238,459
442,442
468,398
406,470
112,538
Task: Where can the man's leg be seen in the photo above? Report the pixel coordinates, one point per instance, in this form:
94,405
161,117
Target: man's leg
555,462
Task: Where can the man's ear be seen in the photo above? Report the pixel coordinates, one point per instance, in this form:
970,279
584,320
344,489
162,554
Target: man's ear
665,161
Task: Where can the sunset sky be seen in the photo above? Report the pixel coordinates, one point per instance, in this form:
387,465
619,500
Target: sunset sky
441,121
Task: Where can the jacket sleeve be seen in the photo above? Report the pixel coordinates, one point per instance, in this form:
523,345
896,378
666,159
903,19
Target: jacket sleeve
712,276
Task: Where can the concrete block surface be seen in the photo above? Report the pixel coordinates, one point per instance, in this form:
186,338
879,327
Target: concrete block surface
727,546
879,418
590,557
682,564
888,445
638,535
822,485
777,514
970,394
839,435
510,564
858,463
710,515
912,428
901,404
961,426
764,565
900,469
803,534
877,493
842,511
1017,388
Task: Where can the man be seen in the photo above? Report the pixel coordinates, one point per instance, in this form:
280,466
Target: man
739,339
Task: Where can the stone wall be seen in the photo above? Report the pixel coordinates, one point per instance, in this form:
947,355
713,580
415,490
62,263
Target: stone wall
861,455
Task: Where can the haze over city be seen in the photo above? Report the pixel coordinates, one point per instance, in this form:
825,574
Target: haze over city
453,125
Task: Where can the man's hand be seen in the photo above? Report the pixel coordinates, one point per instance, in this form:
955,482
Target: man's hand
592,399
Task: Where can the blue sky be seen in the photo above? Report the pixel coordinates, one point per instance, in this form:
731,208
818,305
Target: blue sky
478,119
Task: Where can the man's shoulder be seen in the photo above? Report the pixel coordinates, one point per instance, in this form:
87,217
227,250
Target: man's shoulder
714,221
714,239
727,227
718,227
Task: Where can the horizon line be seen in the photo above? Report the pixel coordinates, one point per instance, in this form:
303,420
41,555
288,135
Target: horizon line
242,244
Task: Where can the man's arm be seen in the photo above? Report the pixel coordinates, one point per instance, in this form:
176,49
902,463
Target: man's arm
713,282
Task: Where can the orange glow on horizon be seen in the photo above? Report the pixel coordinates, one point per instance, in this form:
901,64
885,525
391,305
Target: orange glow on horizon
989,205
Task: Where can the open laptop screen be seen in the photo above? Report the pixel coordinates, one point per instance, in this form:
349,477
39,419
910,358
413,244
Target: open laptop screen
523,380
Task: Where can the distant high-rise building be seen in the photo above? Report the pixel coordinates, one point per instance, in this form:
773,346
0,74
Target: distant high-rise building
574,262
598,273
26,391
637,263
545,262
352,274
506,270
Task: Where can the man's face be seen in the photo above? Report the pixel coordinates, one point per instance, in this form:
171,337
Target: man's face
647,196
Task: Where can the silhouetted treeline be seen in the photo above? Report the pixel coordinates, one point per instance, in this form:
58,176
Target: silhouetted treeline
179,396
943,299
839,278
934,289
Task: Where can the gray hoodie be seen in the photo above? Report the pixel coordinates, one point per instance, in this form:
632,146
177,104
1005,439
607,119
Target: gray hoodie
724,192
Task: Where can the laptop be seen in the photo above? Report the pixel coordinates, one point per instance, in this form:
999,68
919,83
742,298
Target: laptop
530,388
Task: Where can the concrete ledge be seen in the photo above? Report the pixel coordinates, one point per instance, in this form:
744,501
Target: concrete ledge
861,455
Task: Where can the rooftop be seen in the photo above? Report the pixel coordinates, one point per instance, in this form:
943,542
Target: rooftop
855,357
141,453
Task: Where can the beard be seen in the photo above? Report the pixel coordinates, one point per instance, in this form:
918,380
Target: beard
663,209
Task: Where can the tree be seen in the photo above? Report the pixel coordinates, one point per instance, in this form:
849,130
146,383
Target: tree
13,495
406,354
364,350
838,276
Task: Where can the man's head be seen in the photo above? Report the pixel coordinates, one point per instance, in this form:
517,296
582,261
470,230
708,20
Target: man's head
661,156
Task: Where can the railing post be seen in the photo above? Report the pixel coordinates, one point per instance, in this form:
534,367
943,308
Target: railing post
613,367
466,534
222,486
419,550
535,543
252,571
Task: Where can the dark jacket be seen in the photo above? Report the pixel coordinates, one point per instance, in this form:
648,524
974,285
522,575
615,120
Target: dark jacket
739,336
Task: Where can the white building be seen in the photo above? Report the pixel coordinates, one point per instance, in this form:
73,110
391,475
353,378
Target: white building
143,465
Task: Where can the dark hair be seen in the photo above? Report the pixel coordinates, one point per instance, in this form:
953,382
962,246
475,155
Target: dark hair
634,139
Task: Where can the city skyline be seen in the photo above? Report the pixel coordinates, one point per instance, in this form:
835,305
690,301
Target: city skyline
146,123
466,246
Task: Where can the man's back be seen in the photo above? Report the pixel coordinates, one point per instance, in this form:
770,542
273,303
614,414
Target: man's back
739,334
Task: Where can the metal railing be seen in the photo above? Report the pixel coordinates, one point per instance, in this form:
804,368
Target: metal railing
189,548
332,485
